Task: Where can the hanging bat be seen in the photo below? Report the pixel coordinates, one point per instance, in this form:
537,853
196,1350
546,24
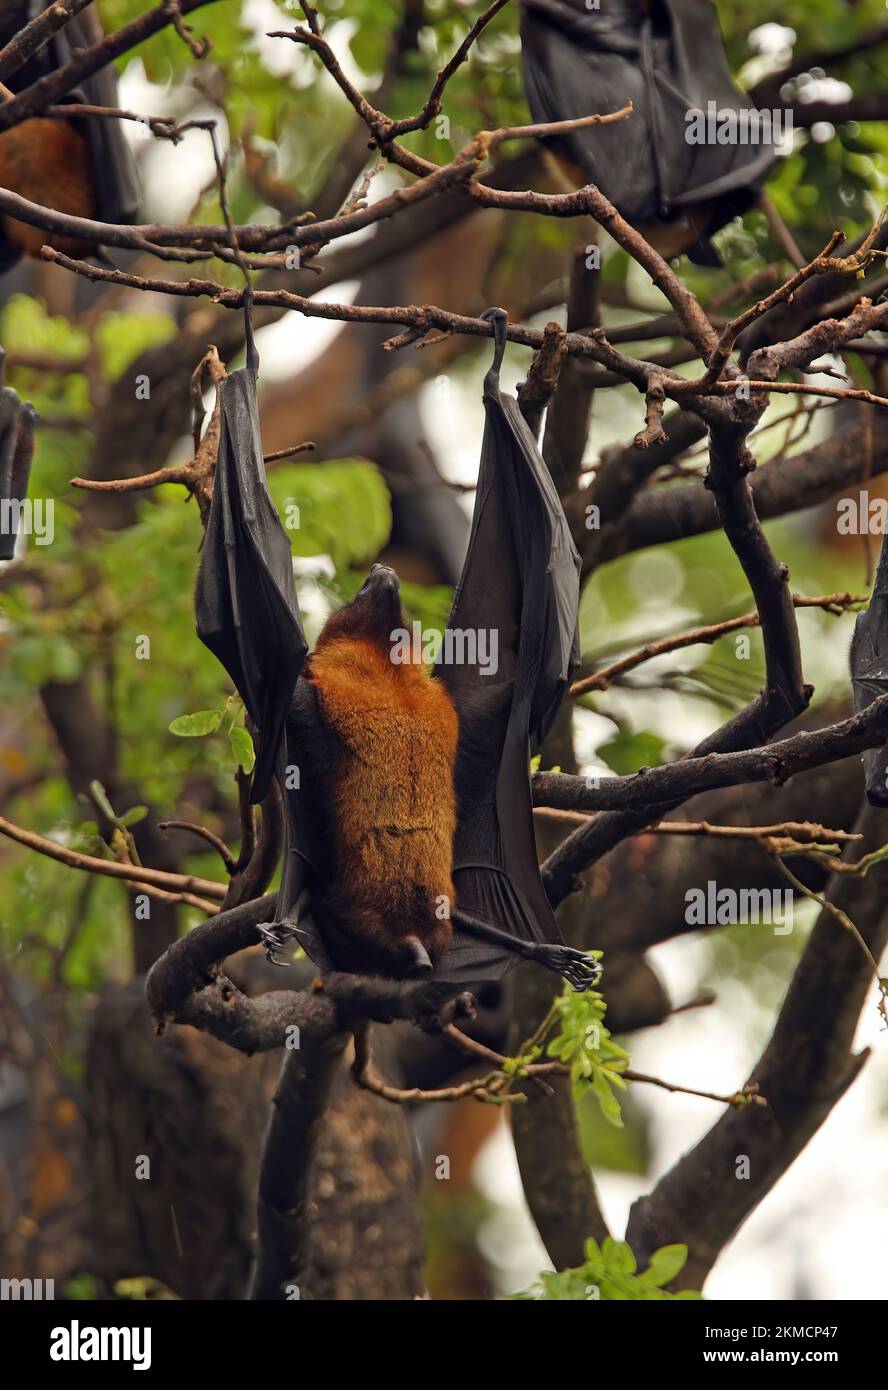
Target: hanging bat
668,57
869,674
410,847
17,420
80,167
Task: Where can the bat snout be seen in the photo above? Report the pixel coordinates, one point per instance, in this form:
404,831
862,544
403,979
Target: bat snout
381,578
383,587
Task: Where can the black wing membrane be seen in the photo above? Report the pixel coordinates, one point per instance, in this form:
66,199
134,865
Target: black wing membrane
669,58
869,674
114,169
245,599
520,588
17,420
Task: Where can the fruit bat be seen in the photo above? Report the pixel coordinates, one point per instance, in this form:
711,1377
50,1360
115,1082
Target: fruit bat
410,847
869,674
84,167
17,420
668,57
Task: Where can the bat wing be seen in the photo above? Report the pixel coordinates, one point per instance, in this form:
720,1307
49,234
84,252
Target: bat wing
245,599
114,169
17,421
669,61
508,655
869,674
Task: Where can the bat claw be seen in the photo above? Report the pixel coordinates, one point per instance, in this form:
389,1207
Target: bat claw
581,971
275,937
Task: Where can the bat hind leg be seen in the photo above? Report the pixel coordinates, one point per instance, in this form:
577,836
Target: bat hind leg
580,970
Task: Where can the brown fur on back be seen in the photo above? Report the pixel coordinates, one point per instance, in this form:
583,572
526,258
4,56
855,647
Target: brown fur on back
48,162
394,805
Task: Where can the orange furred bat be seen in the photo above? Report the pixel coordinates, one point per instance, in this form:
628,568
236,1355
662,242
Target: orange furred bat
389,792
48,162
81,167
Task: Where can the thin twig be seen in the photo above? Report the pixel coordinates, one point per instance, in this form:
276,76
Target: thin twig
211,838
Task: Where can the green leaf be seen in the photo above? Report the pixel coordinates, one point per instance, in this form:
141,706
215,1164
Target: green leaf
97,792
592,1250
618,1256
242,747
133,816
610,1106
204,721
665,1264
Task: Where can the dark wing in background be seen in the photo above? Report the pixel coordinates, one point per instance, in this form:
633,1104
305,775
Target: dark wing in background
245,599
114,170
520,584
869,674
669,58
17,420
117,186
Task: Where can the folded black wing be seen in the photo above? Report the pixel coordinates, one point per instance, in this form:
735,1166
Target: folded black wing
668,57
245,599
869,674
17,420
509,651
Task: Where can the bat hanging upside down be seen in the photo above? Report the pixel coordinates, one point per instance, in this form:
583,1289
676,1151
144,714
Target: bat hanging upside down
48,162
410,840
82,168
668,58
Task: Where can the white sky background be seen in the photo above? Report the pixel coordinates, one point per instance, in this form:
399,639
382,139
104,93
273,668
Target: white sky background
823,1232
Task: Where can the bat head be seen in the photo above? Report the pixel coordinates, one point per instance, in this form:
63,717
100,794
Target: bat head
374,611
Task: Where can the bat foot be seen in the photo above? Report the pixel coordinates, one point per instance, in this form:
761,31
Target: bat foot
581,971
275,937
415,961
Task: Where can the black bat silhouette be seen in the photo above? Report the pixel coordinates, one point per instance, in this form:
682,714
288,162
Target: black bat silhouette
114,180
520,580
